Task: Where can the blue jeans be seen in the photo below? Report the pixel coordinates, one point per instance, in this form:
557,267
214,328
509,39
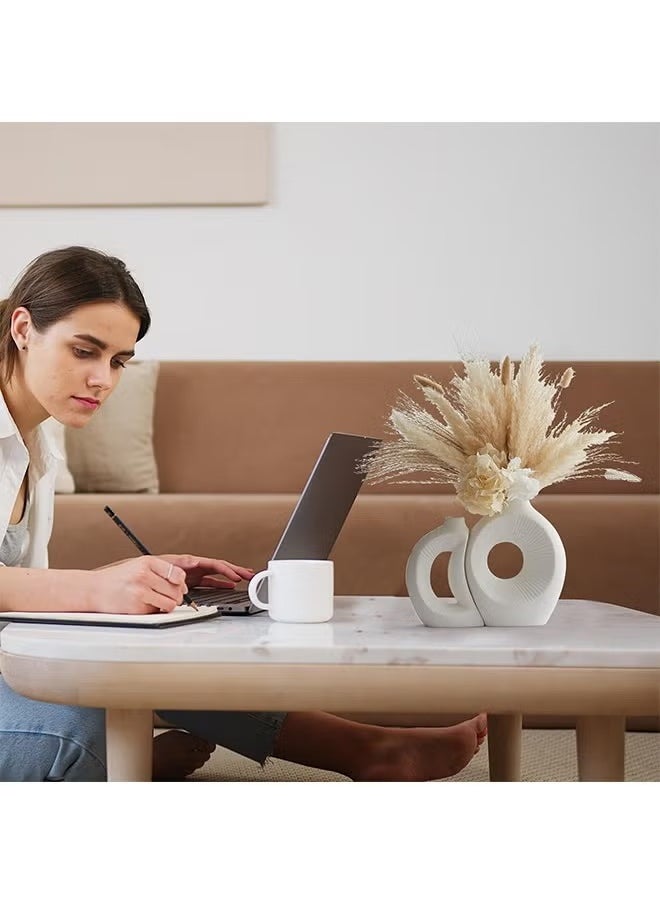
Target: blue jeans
50,742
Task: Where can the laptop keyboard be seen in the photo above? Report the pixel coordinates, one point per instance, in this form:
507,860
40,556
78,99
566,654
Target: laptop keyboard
209,597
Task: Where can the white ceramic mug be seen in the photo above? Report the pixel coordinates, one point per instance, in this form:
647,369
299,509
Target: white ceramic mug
299,590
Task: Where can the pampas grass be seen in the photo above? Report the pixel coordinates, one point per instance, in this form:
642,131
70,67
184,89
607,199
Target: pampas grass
502,422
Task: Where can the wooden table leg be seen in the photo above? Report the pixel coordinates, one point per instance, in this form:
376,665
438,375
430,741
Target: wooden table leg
504,746
601,748
129,744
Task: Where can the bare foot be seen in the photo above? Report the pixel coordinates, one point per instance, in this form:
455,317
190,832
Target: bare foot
177,754
422,754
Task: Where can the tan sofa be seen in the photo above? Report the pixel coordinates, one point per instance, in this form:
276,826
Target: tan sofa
234,443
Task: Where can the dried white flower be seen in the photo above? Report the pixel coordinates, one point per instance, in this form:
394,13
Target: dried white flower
494,436
614,474
483,485
488,483
566,378
522,483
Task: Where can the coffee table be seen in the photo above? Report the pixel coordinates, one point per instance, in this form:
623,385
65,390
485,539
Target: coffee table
593,660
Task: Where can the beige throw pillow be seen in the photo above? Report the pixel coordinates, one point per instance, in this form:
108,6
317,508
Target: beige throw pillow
114,453
64,478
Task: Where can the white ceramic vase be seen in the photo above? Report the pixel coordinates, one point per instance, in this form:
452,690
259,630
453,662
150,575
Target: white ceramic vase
480,597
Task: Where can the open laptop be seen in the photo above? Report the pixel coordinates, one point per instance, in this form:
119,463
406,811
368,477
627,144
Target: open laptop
317,519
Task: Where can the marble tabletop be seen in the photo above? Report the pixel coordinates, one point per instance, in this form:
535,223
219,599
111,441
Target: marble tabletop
364,630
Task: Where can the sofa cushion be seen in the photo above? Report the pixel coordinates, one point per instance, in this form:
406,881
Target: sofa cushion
114,453
257,427
611,542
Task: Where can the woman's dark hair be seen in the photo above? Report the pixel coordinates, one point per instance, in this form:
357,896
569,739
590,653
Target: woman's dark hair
58,282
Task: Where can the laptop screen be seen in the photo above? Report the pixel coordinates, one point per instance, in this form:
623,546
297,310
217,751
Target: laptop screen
327,498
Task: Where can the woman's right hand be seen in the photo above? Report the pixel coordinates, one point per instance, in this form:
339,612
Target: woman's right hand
141,586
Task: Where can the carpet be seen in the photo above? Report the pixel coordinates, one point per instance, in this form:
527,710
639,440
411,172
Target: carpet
547,756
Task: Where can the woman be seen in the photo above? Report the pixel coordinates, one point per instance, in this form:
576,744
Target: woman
66,331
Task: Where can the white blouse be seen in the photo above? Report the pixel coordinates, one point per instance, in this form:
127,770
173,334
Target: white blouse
42,457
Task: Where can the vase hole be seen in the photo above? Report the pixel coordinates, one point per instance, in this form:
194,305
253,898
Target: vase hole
439,582
505,560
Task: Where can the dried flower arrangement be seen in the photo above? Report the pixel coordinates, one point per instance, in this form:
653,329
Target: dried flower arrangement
495,440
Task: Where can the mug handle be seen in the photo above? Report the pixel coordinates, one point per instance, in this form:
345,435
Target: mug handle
252,589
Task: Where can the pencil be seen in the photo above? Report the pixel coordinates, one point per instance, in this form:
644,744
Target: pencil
143,549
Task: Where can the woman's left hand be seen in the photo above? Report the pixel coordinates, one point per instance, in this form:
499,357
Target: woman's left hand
216,573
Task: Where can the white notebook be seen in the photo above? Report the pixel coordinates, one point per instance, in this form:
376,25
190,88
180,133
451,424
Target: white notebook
182,615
